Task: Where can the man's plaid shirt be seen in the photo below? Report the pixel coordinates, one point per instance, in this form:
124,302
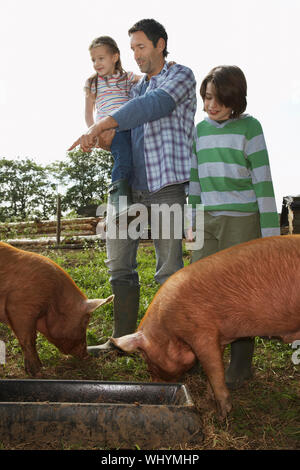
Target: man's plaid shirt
168,141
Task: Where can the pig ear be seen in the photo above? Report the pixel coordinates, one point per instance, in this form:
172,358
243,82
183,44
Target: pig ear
129,343
92,304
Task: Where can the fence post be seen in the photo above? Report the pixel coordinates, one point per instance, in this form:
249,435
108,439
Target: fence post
58,217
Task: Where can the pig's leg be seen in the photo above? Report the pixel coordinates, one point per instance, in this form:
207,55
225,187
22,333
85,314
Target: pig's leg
291,337
210,355
25,331
209,387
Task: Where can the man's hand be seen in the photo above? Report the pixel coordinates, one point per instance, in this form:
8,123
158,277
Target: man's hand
87,141
98,135
105,139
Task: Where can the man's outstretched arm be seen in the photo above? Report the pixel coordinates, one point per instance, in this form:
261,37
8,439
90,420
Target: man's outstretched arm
149,107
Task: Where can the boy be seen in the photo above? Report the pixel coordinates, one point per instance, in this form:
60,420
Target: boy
230,176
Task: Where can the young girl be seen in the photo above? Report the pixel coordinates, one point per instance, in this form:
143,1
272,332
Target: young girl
230,176
106,91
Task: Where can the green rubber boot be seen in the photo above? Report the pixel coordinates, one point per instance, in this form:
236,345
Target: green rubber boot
119,198
239,369
126,307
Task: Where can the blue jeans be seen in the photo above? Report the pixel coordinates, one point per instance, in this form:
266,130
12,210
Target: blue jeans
121,151
121,254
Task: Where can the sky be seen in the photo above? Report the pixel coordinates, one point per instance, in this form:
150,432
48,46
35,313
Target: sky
45,62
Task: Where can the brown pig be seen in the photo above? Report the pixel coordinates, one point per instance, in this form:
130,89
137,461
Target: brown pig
247,290
37,295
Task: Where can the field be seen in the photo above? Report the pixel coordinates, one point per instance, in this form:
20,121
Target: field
266,411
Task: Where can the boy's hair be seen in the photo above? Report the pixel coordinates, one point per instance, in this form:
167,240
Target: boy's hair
153,30
231,87
112,46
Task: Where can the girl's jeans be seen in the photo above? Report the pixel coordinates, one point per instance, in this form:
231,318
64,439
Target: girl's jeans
121,151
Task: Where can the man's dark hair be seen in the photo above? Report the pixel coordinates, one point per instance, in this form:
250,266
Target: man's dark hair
153,30
230,87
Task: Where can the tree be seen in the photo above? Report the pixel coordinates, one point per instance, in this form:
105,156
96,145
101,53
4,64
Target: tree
29,190
86,175
25,190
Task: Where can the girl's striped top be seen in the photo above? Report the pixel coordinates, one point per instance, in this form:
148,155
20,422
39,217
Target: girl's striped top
230,170
112,92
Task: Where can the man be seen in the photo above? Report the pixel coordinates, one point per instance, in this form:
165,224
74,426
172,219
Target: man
161,118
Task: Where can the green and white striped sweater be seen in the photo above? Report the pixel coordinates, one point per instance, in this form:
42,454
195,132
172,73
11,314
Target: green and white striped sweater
230,170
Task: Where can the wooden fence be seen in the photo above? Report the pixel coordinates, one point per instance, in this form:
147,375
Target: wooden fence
69,233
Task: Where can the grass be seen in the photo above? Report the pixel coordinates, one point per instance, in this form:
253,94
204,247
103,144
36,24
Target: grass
266,411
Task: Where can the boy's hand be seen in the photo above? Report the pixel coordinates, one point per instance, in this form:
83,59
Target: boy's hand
189,236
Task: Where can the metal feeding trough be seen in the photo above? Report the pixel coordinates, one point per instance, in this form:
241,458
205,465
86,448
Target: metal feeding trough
103,414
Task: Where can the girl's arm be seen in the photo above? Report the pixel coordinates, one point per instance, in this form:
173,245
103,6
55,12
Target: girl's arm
89,108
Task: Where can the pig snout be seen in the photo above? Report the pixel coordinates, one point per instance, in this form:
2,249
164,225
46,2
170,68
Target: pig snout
169,369
73,348
76,349
80,351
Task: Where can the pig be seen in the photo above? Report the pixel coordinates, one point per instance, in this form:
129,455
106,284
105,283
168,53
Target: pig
247,290
38,295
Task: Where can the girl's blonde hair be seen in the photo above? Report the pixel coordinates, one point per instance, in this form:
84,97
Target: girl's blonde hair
111,44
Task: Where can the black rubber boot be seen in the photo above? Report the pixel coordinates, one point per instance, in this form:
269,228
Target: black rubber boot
126,307
239,369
